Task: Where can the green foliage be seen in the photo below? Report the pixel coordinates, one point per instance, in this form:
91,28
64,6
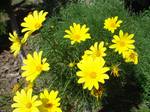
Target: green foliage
122,93
141,108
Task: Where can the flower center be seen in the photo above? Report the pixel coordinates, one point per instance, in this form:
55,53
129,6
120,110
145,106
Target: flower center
98,53
48,105
39,68
76,36
29,105
37,26
122,43
112,24
93,75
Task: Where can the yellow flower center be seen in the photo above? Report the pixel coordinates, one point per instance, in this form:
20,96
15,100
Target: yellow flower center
49,105
39,68
29,105
98,53
122,43
77,36
93,75
112,24
37,25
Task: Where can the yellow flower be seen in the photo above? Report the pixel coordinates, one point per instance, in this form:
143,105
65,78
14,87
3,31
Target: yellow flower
96,50
112,23
50,101
33,66
92,72
16,44
115,70
131,56
123,42
97,92
25,102
33,22
77,33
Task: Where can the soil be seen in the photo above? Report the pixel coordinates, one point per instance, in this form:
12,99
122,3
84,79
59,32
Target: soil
9,72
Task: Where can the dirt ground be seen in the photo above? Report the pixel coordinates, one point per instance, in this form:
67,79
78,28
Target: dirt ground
9,75
9,72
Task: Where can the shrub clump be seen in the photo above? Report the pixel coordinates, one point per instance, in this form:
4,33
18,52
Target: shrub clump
127,85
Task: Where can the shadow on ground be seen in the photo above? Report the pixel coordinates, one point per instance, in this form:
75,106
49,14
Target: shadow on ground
124,93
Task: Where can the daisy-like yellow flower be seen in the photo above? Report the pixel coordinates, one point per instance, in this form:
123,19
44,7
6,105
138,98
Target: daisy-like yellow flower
112,23
16,44
25,102
33,22
77,33
96,50
115,70
92,72
123,42
131,56
33,66
51,103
